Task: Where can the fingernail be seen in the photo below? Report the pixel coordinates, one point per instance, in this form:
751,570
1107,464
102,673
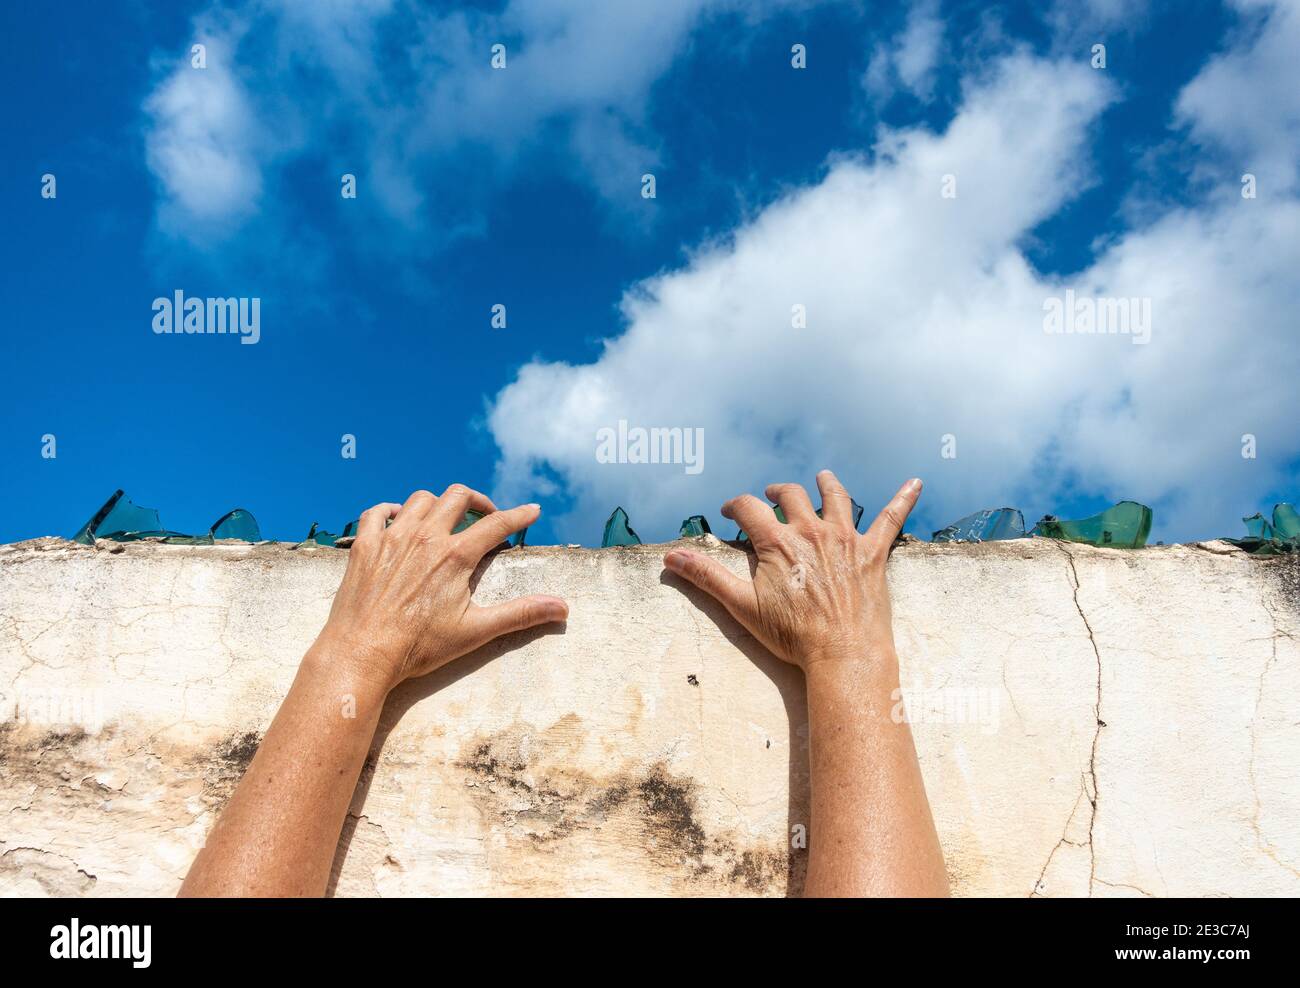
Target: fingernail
914,484
675,561
557,611
533,504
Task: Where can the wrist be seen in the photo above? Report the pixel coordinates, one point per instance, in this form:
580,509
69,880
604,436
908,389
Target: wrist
349,669
861,664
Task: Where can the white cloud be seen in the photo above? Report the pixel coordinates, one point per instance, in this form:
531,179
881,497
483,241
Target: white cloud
204,144
1246,102
413,87
1077,24
909,61
924,318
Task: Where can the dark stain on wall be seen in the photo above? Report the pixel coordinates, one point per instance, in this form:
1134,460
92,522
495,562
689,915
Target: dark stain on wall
529,794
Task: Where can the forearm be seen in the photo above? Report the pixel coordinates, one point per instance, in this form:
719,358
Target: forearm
871,832
278,833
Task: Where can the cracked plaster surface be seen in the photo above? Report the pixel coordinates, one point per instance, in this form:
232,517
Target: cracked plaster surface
1089,722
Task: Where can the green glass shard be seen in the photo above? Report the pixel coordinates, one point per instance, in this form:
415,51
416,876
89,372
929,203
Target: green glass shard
121,521
989,525
618,531
118,516
350,529
1264,539
238,524
1286,521
319,536
1125,525
694,526
471,516
780,515
1257,527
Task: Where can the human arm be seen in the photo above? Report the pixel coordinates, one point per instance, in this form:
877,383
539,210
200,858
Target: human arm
819,599
403,610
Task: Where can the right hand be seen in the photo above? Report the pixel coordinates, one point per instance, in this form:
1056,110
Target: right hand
404,606
819,592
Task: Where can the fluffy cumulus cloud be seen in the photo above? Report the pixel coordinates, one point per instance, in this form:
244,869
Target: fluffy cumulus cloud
1247,101
409,91
925,320
854,323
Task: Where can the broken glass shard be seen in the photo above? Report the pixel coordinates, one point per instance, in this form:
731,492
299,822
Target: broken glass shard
1257,527
121,521
238,524
319,536
471,516
693,527
1125,525
119,516
1286,522
989,525
1265,539
618,531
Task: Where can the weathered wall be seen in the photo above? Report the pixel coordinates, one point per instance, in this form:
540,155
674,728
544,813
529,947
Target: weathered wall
1089,722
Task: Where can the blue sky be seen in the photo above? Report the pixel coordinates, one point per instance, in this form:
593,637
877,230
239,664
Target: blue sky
775,186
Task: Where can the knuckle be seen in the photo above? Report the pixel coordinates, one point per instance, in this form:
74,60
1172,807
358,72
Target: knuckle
462,550
699,573
456,490
495,526
529,614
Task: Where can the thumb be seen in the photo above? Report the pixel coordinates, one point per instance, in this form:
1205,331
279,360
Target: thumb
519,614
735,594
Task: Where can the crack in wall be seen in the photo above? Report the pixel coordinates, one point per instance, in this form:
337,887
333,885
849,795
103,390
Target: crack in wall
1094,798
1265,844
58,874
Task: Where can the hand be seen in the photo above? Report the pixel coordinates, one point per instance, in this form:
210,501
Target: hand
404,608
819,591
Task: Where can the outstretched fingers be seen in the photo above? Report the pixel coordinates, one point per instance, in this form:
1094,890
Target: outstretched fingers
837,506
794,501
756,518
